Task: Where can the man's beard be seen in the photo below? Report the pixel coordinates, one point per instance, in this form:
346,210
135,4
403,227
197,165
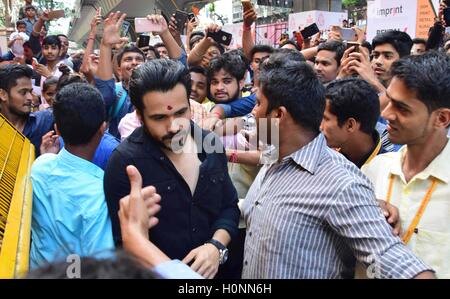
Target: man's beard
234,97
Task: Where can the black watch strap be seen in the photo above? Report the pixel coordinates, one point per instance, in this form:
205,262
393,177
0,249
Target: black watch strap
216,243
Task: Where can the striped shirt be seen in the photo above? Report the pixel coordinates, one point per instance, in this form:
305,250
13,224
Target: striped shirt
312,214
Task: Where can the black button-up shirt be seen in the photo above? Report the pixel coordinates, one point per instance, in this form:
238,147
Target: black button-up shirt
185,221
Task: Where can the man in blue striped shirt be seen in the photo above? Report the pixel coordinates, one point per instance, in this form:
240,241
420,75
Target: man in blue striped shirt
312,213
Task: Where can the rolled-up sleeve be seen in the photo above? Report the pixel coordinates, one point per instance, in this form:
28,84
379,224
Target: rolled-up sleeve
240,107
357,217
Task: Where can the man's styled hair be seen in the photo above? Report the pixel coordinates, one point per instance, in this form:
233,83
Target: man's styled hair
198,70
260,49
289,42
401,41
419,41
129,49
157,75
428,75
337,47
52,40
10,73
354,98
159,45
289,54
295,86
196,37
231,62
79,112
121,266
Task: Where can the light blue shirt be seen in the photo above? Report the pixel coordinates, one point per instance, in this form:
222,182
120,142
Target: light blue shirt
175,269
70,215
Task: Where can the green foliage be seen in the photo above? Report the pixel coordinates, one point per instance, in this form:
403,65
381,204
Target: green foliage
353,3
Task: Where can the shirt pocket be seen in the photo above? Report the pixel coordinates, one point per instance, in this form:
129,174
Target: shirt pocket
434,249
170,198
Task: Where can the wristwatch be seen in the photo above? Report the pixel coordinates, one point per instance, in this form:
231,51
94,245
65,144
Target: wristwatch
223,250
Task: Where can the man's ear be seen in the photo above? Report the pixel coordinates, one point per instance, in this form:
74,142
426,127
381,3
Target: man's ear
3,95
351,125
443,118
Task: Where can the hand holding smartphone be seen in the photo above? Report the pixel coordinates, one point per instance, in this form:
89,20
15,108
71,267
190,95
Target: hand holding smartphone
221,37
309,31
181,17
56,14
246,4
145,25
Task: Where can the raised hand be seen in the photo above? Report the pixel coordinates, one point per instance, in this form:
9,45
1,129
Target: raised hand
159,20
111,29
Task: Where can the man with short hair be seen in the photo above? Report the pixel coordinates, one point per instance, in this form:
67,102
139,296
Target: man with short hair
351,114
226,76
199,213
312,213
328,61
416,179
388,47
419,46
63,56
70,215
16,102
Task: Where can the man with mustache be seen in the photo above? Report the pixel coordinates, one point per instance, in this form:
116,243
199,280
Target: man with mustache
16,101
416,179
187,166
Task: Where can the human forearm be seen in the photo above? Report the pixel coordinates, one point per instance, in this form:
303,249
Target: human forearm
222,236
105,67
244,157
247,42
197,53
172,46
310,53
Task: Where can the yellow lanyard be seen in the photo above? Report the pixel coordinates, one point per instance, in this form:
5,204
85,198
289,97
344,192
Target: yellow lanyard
374,153
420,212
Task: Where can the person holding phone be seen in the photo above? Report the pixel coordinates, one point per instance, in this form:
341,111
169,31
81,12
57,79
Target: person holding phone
206,49
328,61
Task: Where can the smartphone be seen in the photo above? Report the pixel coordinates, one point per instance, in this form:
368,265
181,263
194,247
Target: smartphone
353,44
348,34
181,17
125,28
145,25
221,37
191,17
447,16
56,14
246,4
144,41
310,31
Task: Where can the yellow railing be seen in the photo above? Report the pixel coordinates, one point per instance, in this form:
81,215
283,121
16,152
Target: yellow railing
16,158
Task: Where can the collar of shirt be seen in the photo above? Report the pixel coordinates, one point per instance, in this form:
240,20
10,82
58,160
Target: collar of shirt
438,168
72,161
308,157
371,154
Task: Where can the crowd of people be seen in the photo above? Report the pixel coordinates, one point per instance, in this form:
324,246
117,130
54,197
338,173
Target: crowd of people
310,159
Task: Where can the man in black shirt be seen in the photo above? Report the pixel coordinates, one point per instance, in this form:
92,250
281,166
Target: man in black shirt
199,213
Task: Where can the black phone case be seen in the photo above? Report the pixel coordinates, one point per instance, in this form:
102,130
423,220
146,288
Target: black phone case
310,31
181,17
221,37
144,41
